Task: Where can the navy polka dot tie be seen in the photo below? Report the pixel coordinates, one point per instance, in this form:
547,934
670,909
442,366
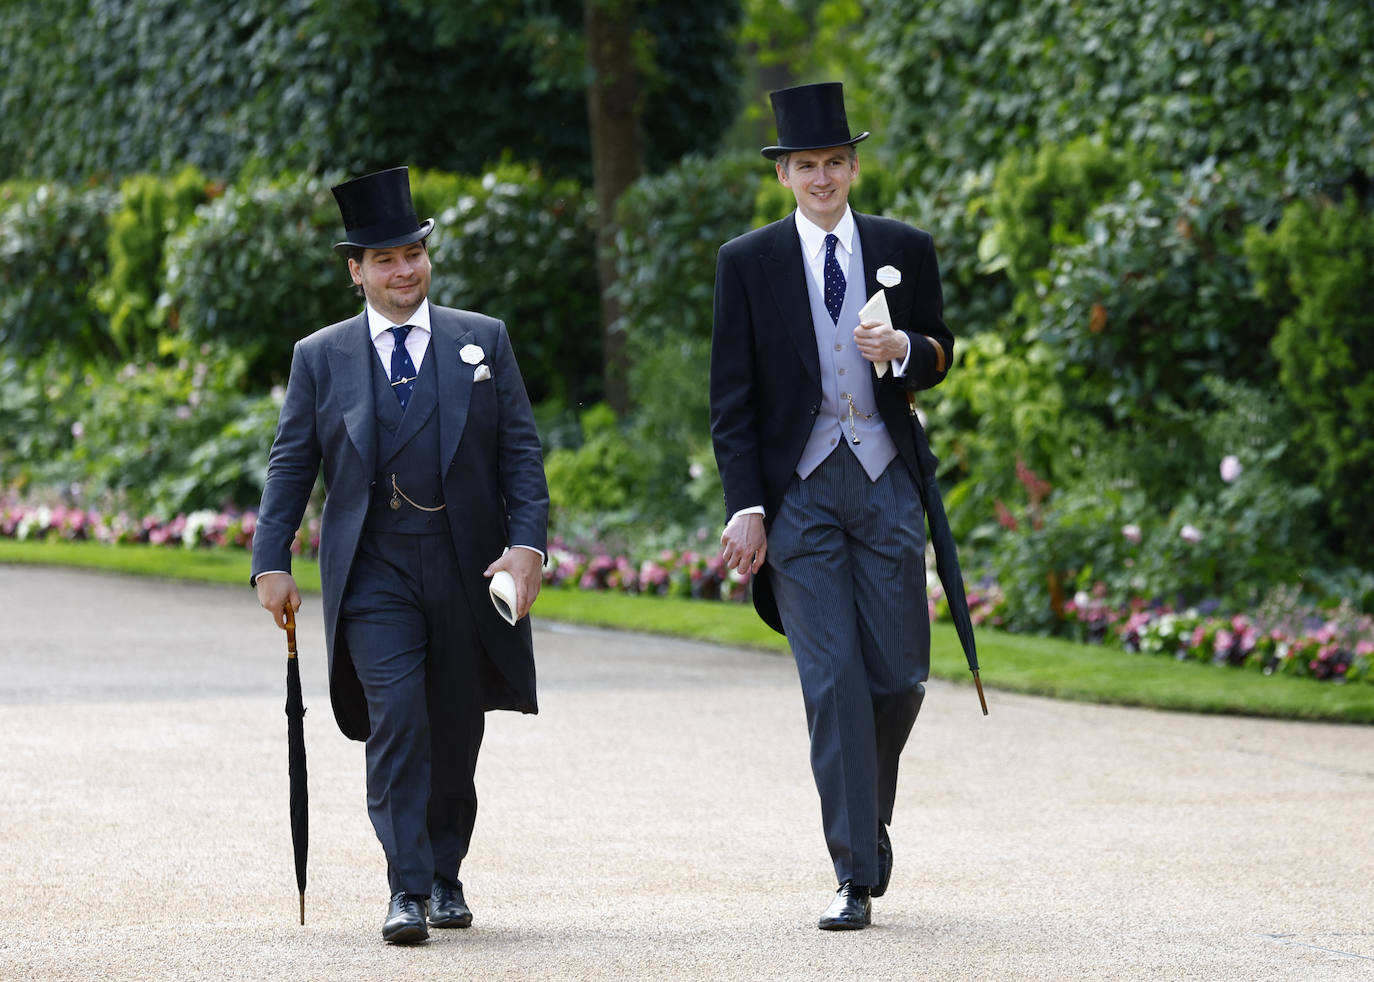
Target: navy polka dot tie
834,280
402,368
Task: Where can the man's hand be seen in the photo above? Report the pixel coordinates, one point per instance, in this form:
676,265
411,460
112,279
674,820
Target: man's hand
275,591
878,342
744,544
526,569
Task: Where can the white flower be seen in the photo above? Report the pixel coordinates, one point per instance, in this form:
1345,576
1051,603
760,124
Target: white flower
481,373
1131,533
889,275
1230,468
471,354
1190,533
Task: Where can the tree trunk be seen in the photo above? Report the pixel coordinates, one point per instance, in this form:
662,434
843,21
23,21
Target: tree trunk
617,160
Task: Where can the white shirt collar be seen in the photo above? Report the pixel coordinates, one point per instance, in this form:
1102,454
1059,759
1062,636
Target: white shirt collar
813,236
377,324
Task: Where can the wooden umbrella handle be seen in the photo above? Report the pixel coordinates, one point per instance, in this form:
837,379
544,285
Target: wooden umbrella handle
290,616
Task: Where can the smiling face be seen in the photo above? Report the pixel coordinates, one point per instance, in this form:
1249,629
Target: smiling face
820,181
395,281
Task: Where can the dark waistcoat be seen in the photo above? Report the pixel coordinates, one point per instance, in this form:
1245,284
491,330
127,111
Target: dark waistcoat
408,455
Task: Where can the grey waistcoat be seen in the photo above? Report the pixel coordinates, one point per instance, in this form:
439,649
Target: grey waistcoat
844,370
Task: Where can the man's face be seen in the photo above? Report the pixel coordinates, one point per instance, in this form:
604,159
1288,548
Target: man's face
395,281
820,181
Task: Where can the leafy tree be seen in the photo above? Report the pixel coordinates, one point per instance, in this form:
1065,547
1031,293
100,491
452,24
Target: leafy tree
1314,269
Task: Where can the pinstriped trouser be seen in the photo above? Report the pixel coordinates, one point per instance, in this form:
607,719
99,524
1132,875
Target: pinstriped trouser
846,560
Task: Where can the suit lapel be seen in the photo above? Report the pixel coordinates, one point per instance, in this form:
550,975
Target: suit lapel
785,269
878,249
453,378
350,364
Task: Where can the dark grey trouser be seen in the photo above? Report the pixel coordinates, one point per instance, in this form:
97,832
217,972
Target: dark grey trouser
846,559
411,637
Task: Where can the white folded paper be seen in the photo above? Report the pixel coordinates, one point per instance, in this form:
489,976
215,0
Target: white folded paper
502,590
876,310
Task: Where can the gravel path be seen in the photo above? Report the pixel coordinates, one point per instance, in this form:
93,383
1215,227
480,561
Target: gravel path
656,821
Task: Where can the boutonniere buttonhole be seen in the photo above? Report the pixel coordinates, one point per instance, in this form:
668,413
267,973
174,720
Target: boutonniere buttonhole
472,354
889,275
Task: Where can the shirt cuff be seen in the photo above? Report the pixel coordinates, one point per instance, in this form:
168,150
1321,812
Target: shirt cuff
752,510
899,368
542,556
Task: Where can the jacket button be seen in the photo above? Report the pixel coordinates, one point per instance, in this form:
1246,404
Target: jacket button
815,410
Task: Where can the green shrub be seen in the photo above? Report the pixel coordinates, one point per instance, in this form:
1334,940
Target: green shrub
52,249
966,82
254,270
155,439
1158,295
1039,200
1314,270
517,246
670,228
150,210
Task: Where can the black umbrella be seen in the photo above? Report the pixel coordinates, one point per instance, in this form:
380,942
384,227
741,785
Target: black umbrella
295,742
946,554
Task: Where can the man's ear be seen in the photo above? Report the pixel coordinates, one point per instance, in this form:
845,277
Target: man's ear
782,173
355,270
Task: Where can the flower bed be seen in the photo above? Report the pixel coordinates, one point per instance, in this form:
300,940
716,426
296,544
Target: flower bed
1283,638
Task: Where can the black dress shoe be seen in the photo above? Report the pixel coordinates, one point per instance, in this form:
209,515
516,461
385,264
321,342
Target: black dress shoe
405,920
447,908
884,861
851,910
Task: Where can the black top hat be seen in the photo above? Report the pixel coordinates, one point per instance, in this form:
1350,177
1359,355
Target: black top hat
810,117
377,213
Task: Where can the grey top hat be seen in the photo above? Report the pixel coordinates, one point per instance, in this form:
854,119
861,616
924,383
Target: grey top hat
377,211
810,117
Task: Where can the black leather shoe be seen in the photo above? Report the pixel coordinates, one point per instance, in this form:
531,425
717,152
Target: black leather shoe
405,920
851,910
884,861
447,908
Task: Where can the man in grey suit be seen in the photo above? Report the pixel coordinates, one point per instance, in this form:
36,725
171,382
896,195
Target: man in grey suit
434,482
818,457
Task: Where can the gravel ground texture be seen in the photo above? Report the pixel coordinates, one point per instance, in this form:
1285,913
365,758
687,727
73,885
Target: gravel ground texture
657,820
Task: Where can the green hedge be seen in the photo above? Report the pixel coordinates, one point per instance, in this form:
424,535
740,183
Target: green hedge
1314,268
139,86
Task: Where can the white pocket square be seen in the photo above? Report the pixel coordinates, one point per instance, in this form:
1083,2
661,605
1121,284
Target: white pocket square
889,275
471,354
481,373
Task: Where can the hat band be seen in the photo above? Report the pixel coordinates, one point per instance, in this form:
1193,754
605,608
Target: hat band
384,230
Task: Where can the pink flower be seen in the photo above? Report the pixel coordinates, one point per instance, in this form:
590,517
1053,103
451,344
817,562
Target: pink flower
1190,533
1131,533
1230,468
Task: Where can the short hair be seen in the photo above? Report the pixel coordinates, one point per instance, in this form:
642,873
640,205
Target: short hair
784,159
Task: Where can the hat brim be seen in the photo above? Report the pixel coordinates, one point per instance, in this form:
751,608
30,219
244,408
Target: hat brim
426,227
773,153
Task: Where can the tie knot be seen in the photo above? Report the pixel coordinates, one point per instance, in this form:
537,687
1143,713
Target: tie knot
830,242
399,333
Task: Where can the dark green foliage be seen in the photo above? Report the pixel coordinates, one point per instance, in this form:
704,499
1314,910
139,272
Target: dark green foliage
157,440
1040,200
669,230
150,210
355,85
519,247
1156,295
1314,269
52,249
1173,81
254,270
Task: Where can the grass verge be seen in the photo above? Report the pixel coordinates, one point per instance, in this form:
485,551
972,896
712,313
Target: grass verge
1010,662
